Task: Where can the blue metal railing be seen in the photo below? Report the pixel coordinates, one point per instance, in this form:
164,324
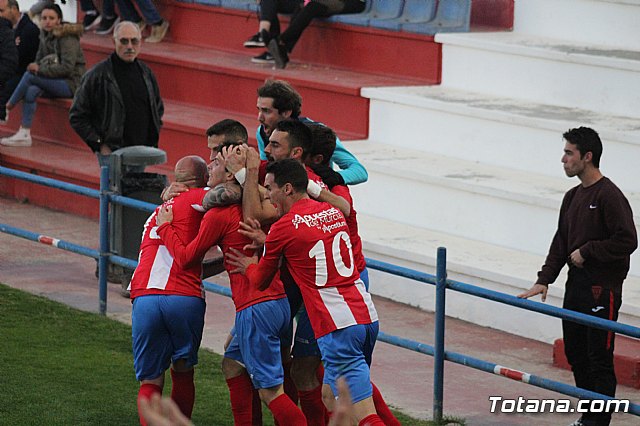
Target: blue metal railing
439,280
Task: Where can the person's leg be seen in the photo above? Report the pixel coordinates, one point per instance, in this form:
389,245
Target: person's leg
5,94
238,382
108,9
20,90
292,34
149,12
127,11
151,346
37,86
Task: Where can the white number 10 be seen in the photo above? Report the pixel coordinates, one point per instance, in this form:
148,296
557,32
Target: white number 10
319,253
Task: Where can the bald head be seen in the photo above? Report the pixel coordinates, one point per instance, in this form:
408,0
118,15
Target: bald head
192,171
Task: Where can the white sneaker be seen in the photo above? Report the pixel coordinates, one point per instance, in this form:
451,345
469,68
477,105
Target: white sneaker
21,138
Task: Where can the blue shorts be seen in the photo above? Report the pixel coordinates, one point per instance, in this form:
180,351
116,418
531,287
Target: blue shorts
347,353
259,330
164,330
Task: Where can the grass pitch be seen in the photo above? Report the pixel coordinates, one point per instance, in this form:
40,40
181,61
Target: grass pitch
62,366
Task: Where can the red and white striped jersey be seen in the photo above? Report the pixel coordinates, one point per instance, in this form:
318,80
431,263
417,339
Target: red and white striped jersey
313,238
157,273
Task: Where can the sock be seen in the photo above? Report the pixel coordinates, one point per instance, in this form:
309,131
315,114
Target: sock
241,395
286,412
183,391
313,407
145,391
256,409
371,420
289,386
382,409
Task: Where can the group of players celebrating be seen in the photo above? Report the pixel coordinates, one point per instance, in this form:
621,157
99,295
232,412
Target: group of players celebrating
285,223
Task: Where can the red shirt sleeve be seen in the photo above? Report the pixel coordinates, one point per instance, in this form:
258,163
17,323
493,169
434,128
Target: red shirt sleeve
211,230
262,274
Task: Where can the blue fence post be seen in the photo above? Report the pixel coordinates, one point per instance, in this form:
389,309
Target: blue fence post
104,238
438,355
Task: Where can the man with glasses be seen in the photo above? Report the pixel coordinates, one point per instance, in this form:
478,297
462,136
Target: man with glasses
118,103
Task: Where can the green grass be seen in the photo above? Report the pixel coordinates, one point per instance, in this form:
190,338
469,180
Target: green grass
62,366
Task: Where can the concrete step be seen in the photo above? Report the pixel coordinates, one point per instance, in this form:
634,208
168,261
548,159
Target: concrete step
469,199
498,268
609,22
475,126
362,49
183,131
543,70
626,359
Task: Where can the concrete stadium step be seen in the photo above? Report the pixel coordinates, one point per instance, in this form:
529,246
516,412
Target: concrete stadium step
475,126
366,50
225,80
464,198
543,70
183,131
478,263
609,22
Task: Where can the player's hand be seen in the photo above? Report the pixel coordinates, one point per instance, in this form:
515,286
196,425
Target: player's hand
535,290
235,157
173,190
253,159
239,260
165,214
576,259
158,411
251,229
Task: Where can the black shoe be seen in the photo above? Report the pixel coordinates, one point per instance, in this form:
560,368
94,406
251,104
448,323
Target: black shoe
107,25
264,58
279,53
259,39
91,20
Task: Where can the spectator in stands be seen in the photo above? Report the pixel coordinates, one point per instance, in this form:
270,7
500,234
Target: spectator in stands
159,26
281,46
91,15
277,101
118,103
26,35
8,54
269,26
56,73
595,238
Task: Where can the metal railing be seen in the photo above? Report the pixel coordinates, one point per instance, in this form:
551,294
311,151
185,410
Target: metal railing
440,281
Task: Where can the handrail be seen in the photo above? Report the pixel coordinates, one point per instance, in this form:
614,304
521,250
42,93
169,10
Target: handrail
440,281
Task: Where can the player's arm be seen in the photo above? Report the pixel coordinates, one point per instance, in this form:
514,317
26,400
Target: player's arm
254,204
329,197
190,255
351,170
222,195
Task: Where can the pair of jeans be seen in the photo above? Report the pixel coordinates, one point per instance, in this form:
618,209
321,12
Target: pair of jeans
129,13
31,87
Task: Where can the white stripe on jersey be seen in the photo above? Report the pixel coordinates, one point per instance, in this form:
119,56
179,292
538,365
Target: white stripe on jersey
161,269
366,296
337,307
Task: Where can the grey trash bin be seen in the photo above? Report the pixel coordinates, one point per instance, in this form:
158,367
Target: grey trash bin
129,179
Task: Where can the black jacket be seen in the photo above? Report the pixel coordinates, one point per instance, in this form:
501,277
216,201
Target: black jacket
98,114
8,52
28,40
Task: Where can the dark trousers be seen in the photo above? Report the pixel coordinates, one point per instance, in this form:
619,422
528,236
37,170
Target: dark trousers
269,10
590,350
7,91
317,9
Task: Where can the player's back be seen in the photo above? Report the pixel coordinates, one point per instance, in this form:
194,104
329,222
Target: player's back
315,241
157,272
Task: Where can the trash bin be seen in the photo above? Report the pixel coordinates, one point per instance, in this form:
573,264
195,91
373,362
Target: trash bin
129,179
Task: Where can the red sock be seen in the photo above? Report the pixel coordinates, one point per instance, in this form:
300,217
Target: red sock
289,386
145,391
313,407
371,420
183,391
256,409
382,409
241,395
286,412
